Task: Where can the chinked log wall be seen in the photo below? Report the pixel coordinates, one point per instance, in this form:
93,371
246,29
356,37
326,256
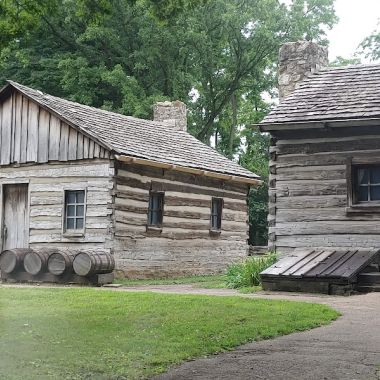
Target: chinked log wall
47,183
308,189
184,246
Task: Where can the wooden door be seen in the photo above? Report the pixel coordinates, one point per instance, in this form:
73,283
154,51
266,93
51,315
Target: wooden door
15,216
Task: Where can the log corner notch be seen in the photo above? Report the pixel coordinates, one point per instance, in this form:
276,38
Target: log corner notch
185,169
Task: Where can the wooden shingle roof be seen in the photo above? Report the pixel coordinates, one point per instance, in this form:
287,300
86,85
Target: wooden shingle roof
133,137
332,94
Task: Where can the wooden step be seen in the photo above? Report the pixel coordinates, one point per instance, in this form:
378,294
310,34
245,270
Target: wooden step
369,278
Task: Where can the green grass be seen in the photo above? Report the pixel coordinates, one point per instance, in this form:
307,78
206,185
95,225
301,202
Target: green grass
246,273
86,333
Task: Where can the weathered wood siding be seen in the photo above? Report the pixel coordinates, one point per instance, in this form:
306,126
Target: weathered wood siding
308,189
46,185
29,133
184,246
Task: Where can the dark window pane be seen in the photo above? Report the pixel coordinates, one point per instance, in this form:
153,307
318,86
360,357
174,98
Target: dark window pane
70,210
70,223
80,223
70,197
80,210
362,194
362,176
375,193
80,196
216,213
156,201
375,175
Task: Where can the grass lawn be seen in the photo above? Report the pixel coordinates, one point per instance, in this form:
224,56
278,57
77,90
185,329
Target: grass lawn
84,333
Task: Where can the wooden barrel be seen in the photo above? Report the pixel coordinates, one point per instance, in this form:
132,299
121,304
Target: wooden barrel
61,262
92,262
12,259
35,262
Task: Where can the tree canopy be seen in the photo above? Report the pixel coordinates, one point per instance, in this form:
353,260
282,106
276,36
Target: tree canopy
218,56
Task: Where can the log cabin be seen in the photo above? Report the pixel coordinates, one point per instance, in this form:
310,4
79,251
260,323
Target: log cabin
79,178
324,186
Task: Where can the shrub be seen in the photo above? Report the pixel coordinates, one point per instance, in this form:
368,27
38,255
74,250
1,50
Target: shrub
247,272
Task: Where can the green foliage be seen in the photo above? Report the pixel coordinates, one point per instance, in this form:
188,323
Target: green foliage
247,273
100,334
341,61
370,47
219,57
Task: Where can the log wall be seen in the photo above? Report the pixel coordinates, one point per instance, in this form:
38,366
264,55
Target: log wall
184,246
46,185
309,192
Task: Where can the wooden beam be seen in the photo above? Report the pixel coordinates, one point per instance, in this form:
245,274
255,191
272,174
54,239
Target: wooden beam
184,169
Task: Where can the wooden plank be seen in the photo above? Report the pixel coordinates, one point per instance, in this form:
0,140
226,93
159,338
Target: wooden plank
24,130
312,263
18,128
97,151
86,144
6,131
73,143
43,136
33,121
64,142
80,147
91,149
54,138
287,262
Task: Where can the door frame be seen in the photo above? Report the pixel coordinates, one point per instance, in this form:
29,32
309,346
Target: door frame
27,230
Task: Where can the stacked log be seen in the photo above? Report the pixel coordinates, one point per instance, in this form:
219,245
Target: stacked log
93,262
12,259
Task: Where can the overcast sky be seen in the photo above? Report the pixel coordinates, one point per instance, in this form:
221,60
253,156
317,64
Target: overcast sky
357,20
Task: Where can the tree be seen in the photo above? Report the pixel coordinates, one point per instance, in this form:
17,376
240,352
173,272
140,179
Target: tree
370,47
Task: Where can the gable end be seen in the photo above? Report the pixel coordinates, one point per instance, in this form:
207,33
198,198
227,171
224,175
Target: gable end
30,133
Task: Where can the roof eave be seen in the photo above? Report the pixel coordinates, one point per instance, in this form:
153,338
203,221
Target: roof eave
319,124
186,169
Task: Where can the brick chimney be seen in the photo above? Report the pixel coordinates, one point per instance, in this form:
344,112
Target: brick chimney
296,62
173,114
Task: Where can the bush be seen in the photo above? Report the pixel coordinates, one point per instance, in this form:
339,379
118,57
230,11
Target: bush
247,272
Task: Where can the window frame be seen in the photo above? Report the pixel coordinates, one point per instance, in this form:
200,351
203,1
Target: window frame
161,195
218,229
68,231
353,206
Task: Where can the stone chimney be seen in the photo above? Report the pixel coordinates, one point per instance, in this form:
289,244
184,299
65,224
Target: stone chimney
296,62
173,114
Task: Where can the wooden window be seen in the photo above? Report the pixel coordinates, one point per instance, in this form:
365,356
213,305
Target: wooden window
74,210
216,214
366,183
156,209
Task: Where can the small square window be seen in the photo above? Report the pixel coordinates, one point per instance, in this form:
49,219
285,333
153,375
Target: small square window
216,214
366,183
156,209
74,209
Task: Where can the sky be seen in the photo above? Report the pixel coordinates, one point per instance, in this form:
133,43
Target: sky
357,20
